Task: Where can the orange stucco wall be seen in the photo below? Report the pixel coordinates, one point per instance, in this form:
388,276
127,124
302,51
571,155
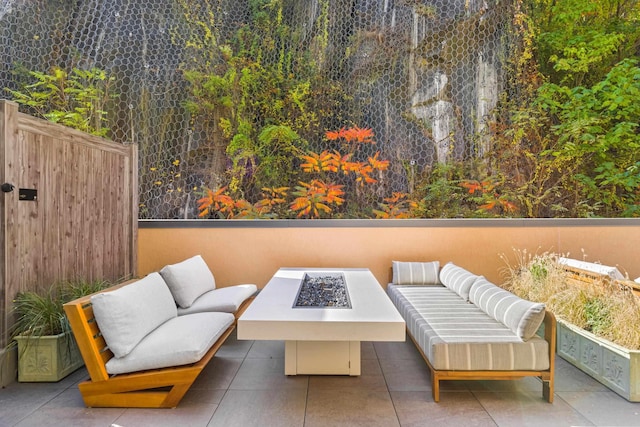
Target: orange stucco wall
253,254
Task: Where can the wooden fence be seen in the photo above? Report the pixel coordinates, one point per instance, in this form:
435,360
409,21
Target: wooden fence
73,211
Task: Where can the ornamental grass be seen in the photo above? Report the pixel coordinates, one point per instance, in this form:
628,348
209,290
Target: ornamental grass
603,307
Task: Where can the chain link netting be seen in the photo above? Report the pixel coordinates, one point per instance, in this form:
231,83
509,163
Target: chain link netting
266,103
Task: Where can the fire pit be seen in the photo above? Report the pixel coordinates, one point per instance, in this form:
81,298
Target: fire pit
323,290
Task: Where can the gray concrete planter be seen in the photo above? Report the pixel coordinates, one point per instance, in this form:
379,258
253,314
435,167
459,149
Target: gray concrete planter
616,367
47,358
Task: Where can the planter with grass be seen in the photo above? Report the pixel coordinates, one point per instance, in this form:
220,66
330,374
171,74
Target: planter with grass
597,316
47,351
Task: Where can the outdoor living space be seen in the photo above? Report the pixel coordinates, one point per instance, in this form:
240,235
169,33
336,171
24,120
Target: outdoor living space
245,383
245,386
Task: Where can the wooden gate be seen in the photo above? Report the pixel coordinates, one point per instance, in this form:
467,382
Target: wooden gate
68,207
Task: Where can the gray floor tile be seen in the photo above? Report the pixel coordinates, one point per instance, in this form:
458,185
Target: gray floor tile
234,348
406,374
417,409
184,415
367,351
397,350
569,378
67,409
529,409
349,407
267,350
266,374
218,374
604,408
261,408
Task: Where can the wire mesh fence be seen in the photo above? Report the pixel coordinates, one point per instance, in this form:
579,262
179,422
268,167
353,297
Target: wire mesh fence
267,108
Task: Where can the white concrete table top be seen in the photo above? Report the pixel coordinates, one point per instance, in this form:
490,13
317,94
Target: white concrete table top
372,317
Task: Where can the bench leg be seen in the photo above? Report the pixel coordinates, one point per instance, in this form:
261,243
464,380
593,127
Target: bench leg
435,387
547,390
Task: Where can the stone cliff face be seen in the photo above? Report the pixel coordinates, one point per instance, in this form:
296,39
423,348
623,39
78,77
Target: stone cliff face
433,74
425,74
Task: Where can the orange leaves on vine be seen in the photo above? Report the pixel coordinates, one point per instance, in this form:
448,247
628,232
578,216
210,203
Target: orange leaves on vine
354,134
323,162
492,200
474,186
215,201
315,197
396,207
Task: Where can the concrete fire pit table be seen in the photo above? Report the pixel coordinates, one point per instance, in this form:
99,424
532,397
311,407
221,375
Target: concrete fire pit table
322,340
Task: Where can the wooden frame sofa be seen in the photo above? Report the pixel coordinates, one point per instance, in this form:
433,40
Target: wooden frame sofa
467,328
139,350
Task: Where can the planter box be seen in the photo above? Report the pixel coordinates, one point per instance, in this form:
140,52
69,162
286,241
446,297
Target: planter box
48,358
616,367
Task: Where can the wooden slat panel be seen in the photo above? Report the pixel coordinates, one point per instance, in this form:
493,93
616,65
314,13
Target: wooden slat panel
80,226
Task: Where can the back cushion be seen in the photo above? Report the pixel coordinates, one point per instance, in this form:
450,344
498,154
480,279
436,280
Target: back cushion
521,316
128,314
415,273
457,279
188,279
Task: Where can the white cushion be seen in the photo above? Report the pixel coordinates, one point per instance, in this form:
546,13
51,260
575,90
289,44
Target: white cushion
226,300
415,273
457,279
179,341
126,315
521,316
188,279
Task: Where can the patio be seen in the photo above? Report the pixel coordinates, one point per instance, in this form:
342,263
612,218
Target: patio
244,386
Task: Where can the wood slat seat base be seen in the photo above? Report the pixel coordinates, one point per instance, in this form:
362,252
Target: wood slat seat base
157,388
546,376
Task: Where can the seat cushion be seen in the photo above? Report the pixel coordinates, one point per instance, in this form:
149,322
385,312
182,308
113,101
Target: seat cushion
415,273
456,335
457,279
179,341
226,300
188,279
521,316
126,315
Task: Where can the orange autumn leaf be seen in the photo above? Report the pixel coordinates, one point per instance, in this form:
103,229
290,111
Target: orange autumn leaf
488,206
332,136
472,186
322,162
354,134
378,164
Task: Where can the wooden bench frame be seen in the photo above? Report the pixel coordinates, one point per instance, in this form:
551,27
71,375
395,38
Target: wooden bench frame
546,376
157,388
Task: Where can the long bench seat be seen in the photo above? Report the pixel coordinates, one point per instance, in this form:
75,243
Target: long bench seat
472,329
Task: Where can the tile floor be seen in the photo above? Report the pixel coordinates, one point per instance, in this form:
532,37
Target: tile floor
245,386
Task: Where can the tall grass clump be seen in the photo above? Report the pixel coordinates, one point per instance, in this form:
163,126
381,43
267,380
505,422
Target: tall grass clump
603,307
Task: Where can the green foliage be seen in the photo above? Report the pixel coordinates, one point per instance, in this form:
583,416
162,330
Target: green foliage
598,315
40,312
598,132
258,97
578,41
76,99
442,195
568,146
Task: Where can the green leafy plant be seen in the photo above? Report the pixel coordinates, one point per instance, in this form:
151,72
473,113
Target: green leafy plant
77,98
40,312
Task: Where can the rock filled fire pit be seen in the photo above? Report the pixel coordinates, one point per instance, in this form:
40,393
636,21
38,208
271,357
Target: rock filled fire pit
323,290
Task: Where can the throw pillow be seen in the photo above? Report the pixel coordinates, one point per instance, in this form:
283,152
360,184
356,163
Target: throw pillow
188,279
415,273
